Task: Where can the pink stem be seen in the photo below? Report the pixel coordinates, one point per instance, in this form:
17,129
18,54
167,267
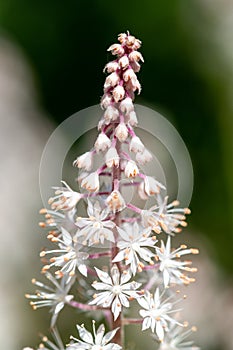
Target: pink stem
127,321
100,170
99,255
82,306
134,208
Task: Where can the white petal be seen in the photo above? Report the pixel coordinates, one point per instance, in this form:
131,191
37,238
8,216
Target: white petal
108,336
116,308
103,276
85,335
159,330
82,269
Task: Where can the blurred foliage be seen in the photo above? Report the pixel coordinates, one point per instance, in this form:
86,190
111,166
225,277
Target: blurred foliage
184,77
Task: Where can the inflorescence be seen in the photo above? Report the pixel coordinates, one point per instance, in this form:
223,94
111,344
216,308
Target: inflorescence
114,257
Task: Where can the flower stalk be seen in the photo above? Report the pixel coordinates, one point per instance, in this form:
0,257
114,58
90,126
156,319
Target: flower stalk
113,255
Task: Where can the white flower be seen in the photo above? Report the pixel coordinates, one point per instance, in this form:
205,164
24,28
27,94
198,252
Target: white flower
144,157
152,186
116,290
132,118
56,298
102,142
131,169
115,201
123,61
136,145
118,93
121,132
48,344
106,100
70,256
135,66
122,37
96,228
112,158
132,42
129,75
133,85
111,66
136,56
116,49
84,161
126,106
97,341
111,80
134,246
171,267
156,313
174,339
65,199
111,114
164,216
91,182
54,220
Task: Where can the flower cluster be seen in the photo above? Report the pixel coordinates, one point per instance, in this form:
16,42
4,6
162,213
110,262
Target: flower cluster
112,255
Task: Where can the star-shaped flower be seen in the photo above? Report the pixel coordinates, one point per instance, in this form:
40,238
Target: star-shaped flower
170,265
97,341
156,313
70,258
65,199
163,216
134,246
96,228
174,339
55,298
47,344
116,290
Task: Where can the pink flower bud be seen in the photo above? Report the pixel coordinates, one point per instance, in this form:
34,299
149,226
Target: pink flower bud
133,85
118,93
131,169
121,132
91,182
136,145
144,157
126,105
84,161
112,80
132,119
106,100
111,67
102,142
122,37
135,56
123,62
111,114
135,66
116,49
112,158
129,75
152,186
115,201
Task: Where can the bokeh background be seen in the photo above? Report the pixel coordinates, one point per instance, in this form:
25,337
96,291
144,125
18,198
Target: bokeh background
51,58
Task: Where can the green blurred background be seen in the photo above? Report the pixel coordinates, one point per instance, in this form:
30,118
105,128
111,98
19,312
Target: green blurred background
187,76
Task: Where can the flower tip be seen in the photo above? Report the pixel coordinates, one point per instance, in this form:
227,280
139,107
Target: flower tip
187,211
194,251
43,211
